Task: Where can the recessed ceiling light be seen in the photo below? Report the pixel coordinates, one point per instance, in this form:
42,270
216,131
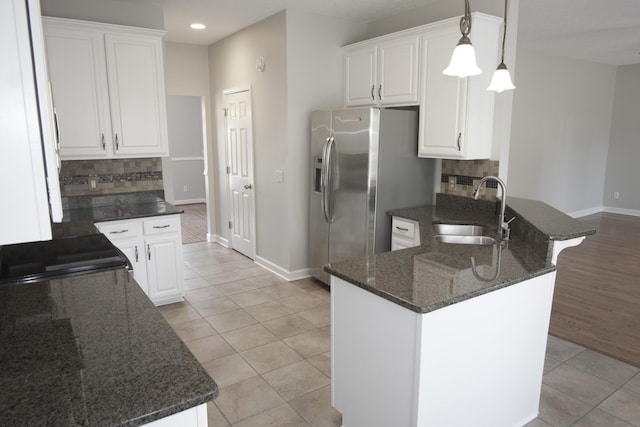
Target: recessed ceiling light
198,26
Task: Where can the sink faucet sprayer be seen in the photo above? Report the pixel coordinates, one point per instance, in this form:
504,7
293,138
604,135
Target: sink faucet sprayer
503,226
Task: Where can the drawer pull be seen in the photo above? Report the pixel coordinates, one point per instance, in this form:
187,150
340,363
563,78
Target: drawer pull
119,231
162,226
402,228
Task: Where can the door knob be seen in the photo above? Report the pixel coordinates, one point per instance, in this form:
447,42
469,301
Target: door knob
248,187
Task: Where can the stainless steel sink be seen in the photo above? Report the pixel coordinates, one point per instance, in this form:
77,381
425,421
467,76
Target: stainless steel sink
458,229
465,240
462,234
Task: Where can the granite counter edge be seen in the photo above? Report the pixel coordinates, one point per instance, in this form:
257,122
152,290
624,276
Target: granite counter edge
441,304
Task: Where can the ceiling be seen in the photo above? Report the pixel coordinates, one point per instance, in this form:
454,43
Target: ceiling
595,30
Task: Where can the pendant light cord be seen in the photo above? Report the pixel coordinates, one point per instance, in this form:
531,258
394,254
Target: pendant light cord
465,21
504,34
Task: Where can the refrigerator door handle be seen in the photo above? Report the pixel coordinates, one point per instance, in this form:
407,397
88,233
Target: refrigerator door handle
326,171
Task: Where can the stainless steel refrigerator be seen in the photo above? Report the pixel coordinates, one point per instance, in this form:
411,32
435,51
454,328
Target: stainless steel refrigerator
364,162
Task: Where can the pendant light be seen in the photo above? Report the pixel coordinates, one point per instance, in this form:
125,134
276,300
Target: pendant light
463,60
501,80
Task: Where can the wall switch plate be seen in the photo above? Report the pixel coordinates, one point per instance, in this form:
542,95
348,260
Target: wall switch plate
93,184
279,175
185,189
616,195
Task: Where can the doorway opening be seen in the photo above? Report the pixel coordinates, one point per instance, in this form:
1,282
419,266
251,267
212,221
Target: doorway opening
184,171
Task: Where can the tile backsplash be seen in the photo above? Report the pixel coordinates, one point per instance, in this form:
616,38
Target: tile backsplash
460,177
111,176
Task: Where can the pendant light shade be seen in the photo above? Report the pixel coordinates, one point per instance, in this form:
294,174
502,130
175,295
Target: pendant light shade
501,80
463,60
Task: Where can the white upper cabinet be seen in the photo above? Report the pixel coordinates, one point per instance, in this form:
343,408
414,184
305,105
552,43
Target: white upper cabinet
108,89
382,72
456,115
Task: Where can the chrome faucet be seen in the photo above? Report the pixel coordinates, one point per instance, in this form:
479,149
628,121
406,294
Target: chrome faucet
503,225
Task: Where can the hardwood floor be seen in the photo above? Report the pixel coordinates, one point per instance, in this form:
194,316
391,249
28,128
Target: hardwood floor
597,297
194,223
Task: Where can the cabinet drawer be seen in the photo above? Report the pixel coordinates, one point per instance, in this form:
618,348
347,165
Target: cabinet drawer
169,224
120,230
397,244
404,228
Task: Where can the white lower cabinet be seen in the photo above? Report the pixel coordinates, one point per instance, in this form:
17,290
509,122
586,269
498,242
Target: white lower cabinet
154,247
405,233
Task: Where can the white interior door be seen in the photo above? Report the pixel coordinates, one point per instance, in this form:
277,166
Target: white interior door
240,170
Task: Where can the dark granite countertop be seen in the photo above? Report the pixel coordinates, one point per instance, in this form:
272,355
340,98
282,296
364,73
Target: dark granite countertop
111,207
81,212
92,350
435,275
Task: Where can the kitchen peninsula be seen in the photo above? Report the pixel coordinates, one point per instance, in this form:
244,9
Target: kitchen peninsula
448,334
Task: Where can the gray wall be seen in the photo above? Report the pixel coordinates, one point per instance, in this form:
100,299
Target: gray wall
186,147
187,73
303,71
560,131
143,15
624,147
436,10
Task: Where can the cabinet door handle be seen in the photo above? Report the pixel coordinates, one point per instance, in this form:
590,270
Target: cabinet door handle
136,252
373,97
459,137
149,251
117,144
402,228
104,146
380,92
162,226
118,231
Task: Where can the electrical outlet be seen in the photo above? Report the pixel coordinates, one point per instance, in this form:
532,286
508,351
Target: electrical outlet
185,189
93,184
616,195
452,183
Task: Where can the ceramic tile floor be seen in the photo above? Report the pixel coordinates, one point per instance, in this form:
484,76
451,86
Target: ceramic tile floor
266,342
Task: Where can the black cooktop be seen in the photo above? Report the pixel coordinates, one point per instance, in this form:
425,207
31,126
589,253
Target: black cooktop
36,261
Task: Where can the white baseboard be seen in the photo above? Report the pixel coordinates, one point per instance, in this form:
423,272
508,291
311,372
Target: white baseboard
188,201
585,212
218,239
608,209
631,212
279,271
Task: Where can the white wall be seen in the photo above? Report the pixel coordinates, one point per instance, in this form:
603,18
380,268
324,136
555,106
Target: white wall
624,148
112,12
560,131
